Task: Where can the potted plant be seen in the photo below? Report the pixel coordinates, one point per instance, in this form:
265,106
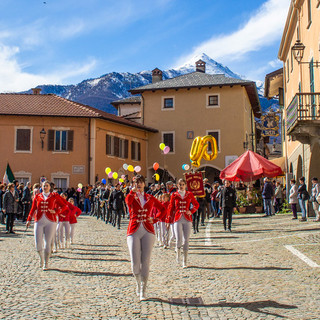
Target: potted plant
242,202
257,201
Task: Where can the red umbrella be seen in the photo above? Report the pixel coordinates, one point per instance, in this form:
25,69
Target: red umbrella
250,166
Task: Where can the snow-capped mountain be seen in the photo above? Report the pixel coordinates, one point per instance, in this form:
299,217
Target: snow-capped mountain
113,86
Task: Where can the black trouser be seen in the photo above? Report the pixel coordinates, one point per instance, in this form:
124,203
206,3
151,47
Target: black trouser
117,217
202,212
92,208
208,209
109,215
9,221
227,215
195,221
26,210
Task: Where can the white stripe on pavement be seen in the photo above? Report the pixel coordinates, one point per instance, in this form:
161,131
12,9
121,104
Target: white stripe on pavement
302,256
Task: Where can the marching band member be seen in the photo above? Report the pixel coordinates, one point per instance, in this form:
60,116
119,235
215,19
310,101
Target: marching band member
74,213
45,208
181,216
164,229
63,228
140,234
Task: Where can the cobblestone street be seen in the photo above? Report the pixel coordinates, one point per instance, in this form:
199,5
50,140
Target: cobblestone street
246,274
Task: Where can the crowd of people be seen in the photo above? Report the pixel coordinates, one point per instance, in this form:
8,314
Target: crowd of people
163,212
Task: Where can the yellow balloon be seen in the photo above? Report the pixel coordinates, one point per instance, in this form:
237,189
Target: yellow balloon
130,168
114,175
199,150
108,170
157,177
121,180
80,185
162,146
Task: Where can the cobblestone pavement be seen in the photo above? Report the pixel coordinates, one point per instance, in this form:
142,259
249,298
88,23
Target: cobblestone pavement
246,274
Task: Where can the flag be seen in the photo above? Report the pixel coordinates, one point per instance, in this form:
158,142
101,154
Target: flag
8,175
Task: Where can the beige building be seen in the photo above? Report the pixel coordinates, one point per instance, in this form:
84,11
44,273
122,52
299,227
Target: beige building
66,142
196,104
299,86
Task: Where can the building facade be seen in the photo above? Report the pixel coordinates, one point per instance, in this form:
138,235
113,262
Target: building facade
198,104
46,136
300,82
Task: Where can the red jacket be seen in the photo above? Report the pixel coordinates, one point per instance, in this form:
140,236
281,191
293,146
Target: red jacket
163,218
40,207
74,212
143,214
179,206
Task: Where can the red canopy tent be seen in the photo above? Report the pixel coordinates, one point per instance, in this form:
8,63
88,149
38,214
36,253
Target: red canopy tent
249,167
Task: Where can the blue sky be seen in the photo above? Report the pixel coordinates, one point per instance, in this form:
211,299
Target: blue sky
67,41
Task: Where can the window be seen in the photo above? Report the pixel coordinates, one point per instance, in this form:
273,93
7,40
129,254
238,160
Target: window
213,100
60,140
168,140
167,103
318,4
23,180
216,135
61,183
309,13
288,77
23,140
135,150
116,146
292,60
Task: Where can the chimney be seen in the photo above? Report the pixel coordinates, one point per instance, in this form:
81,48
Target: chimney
201,66
36,90
156,75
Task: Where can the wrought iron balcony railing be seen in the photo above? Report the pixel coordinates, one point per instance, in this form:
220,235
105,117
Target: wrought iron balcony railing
303,107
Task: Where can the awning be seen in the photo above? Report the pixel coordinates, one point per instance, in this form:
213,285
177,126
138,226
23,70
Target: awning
280,162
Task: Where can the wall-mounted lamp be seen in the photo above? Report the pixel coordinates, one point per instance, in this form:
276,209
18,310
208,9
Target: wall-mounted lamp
298,51
42,136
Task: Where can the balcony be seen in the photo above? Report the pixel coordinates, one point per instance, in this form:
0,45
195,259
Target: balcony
303,117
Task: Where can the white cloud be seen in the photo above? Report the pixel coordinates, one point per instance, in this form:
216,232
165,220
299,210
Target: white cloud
262,29
13,78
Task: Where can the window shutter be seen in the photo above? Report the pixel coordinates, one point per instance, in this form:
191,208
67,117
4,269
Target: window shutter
116,146
50,140
23,139
139,151
126,147
70,140
133,150
107,144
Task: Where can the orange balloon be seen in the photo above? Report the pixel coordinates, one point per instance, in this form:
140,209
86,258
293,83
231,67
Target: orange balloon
156,166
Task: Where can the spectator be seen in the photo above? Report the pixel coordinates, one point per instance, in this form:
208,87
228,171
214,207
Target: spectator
315,191
10,206
293,198
303,197
26,201
278,197
2,192
267,195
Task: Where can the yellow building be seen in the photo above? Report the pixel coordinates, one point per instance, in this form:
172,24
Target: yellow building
196,104
64,141
299,80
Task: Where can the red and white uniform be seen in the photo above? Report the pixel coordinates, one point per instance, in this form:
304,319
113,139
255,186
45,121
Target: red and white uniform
140,234
180,205
40,207
142,214
74,213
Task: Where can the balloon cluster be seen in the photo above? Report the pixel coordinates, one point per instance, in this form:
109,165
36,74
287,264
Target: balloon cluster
164,148
155,168
131,168
79,187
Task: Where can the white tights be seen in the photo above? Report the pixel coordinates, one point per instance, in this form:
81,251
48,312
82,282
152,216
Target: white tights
44,229
72,228
182,229
64,225
140,245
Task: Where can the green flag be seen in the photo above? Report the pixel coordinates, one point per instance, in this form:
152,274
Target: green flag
8,175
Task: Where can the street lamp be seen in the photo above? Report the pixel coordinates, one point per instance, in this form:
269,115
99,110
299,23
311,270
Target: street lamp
298,50
42,136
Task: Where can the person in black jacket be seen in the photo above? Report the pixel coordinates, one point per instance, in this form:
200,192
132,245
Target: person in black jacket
227,204
2,192
303,197
26,201
10,206
117,203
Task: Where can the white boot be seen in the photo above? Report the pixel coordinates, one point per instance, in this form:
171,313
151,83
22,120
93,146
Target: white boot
46,261
41,258
143,295
138,280
184,259
178,257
